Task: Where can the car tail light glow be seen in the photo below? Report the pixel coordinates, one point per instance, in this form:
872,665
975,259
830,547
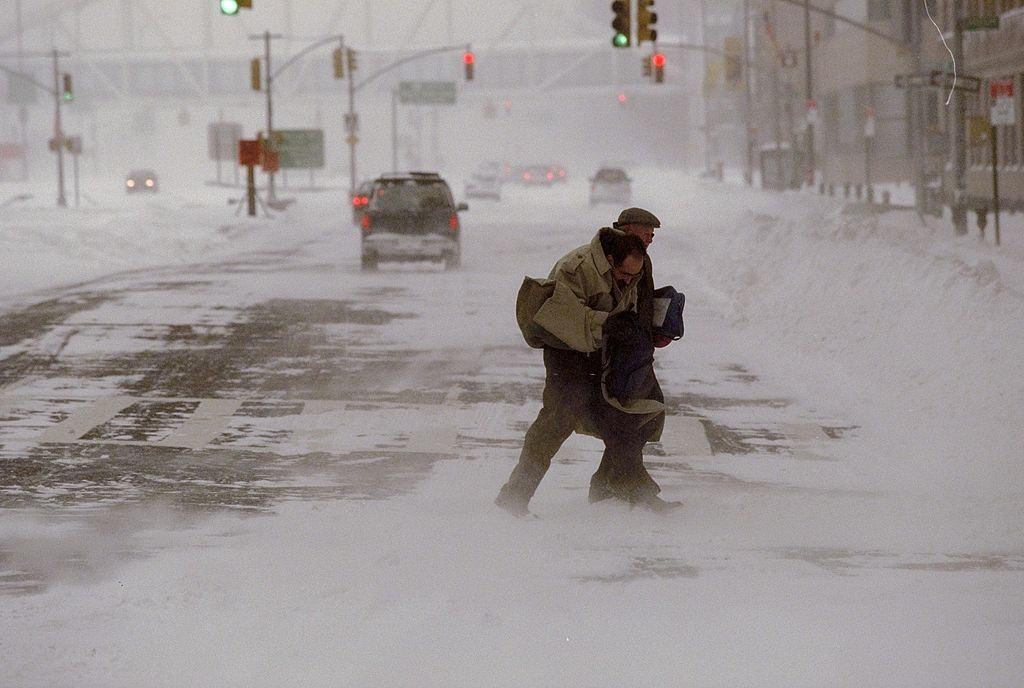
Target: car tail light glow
550,175
561,173
527,176
365,223
453,222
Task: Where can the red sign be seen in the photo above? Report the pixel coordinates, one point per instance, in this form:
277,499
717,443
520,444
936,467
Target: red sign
249,153
1000,88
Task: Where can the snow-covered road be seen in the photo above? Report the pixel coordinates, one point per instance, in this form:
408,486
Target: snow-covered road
249,463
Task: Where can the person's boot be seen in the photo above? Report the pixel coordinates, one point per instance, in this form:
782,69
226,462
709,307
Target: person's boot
656,504
512,503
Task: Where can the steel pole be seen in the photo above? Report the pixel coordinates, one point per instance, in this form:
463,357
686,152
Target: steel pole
707,130
995,179
58,132
270,115
809,89
22,113
749,176
352,132
959,211
394,130
917,130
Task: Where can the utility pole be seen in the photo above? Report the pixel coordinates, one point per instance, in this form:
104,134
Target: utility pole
959,144
809,89
917,129
22,108
747,114
58,130
394,130
707,119
351,60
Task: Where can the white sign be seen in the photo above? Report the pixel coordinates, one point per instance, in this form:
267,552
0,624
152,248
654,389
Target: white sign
812,112
1002,112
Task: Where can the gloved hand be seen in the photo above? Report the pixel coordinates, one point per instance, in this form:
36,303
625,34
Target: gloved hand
619,326
661,341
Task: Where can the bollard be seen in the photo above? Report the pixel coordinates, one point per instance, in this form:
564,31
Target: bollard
886,198
859,191
846,190
871,194
982,214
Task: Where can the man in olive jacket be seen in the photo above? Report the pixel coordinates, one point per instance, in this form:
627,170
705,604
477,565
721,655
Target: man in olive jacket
591,284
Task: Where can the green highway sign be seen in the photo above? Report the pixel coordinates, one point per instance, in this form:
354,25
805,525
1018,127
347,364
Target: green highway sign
299,148
980,23
426,92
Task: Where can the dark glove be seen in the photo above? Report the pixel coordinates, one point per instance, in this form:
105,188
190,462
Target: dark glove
620,326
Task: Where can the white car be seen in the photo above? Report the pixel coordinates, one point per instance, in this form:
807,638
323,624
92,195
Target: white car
611,185
482,185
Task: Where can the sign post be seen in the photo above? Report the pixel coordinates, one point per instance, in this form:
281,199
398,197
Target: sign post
869,136
1001,114
249,157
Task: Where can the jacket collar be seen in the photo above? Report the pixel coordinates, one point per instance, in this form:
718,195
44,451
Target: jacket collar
597,251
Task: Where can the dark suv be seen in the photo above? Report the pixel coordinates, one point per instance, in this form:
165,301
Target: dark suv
411,217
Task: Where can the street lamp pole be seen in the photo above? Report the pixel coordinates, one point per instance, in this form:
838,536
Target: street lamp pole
959,211
809,89
58,131
747,114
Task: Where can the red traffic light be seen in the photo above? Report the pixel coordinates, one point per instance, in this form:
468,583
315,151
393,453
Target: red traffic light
658,60
468,58
622,97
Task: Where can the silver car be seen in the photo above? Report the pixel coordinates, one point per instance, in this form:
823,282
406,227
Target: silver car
611,185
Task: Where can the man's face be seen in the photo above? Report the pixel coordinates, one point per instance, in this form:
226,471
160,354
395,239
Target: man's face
644,232
628,270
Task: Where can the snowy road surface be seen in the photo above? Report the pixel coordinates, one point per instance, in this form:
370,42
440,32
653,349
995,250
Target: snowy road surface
263,467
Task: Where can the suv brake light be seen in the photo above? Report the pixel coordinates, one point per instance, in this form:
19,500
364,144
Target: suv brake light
364,222
453,222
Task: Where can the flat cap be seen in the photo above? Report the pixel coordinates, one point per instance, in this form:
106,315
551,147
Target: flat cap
636,216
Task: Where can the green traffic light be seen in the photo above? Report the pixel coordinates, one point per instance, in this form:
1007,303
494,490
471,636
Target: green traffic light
229,7
67,96
621,40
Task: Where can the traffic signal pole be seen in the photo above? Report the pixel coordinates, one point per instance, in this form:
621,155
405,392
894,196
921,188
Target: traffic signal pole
351,118
58,131
747,114
809,88
271,198
959,212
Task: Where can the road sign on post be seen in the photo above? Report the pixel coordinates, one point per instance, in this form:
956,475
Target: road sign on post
426,92
948,80
1002,111
299,148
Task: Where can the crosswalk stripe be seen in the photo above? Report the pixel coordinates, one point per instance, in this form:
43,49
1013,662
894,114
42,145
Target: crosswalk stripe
684,436
86,418
205,424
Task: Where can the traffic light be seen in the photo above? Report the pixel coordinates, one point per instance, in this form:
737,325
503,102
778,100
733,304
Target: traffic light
231,7
350,54
468,59
254,73
620,24
645,21
67,94
338,62
658,63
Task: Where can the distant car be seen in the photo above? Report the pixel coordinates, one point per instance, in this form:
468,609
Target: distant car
560,175
360,200
140,180
411,217
537,175
610,185
484,185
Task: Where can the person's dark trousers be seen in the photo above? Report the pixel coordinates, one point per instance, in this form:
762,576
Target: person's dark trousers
622,474
572,389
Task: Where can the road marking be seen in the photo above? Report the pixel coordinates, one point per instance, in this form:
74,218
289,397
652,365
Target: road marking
206,424
86,418
685,436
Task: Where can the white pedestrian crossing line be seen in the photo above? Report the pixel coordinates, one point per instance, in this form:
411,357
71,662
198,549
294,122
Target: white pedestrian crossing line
206,424
86,418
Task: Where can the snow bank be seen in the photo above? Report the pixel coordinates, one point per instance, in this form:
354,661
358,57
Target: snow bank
917,333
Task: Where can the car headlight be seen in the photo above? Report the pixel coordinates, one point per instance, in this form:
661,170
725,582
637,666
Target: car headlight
130,183
150,183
